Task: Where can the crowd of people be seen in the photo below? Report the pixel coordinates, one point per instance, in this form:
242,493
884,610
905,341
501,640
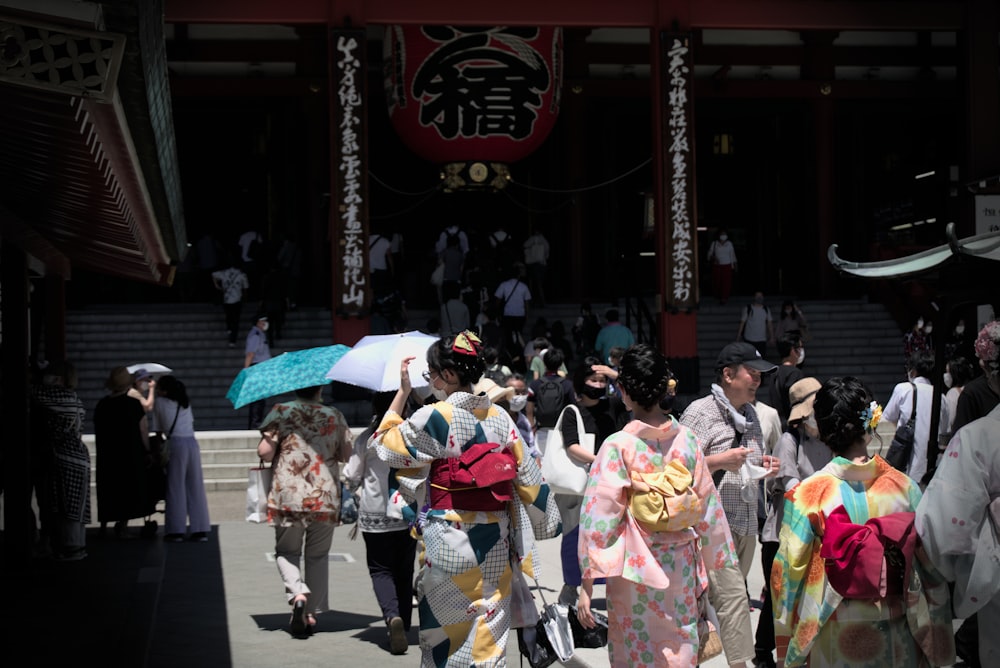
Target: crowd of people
865,563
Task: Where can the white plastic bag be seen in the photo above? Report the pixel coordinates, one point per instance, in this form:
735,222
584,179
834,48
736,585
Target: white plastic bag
258,487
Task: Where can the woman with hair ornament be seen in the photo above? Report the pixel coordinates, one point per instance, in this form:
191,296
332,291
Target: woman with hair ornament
478,530
850,585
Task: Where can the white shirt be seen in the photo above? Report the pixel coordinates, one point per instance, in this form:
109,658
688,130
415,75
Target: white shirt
378,248
948,409
898,410
536,249
770,425
246,239
442,242
722,252
515,295
755,325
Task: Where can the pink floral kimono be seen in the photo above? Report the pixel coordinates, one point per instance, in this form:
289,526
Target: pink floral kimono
653,578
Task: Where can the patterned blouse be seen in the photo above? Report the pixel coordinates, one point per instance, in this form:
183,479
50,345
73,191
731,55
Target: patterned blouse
313,439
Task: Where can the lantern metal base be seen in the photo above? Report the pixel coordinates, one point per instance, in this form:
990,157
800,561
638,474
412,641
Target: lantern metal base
475,175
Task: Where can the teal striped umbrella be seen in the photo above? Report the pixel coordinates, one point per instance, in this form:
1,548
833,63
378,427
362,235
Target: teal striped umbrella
285,373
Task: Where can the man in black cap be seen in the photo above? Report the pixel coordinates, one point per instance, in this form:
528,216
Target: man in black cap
730,435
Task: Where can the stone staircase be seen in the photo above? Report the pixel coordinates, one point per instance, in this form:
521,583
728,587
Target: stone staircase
848,337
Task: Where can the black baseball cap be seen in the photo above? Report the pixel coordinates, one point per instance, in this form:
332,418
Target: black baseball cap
745,354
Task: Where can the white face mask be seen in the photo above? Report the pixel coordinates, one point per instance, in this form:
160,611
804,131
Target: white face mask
920,323
947,379
440,395
263,327
960,329
518,402
810,422
802,355
723,237
928,328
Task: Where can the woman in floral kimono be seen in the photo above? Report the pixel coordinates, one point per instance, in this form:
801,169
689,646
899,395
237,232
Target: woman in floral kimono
478,530
307,441
844,594
655,573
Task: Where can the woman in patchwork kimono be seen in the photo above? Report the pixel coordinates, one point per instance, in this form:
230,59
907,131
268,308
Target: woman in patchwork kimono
959,517
844,594
464,481
655,573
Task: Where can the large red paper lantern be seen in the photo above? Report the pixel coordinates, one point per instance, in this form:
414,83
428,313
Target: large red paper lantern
473,95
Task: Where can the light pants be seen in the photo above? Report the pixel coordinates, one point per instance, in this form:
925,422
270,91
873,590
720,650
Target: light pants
727,591
185,498
288,551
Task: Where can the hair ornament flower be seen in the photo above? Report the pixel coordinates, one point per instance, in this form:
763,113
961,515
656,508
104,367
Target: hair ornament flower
871,416
466,343
987,349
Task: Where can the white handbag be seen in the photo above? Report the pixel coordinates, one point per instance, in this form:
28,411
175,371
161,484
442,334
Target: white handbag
564,474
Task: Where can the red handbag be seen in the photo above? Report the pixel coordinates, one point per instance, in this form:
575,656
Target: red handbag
480,479
870,560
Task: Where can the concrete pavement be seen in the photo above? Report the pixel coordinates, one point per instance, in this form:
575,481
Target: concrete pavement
142,602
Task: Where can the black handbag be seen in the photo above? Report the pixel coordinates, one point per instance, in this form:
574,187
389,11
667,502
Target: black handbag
593,638
901,448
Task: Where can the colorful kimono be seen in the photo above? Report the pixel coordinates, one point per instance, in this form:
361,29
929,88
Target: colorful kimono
958,521
472,586
653,578
814,623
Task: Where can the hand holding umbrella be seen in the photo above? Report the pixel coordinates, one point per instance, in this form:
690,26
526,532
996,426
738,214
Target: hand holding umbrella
399,401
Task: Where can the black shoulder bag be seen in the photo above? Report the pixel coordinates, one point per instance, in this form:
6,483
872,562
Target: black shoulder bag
901,448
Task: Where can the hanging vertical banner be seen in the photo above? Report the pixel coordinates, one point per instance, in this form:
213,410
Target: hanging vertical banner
681,290
349,171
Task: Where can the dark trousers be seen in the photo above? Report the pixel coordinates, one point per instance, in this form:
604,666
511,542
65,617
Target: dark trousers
390,565
764,641
257,409
232,312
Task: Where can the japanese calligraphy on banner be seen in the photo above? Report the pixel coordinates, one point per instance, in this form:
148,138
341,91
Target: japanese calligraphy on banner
681,254
349,196
460,93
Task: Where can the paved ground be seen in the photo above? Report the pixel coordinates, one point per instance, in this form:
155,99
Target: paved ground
142,602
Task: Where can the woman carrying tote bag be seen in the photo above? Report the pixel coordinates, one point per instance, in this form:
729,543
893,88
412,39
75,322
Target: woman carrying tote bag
599,418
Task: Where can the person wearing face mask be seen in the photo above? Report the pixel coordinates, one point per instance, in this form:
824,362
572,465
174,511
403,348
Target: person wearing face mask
722,258
517,407
918,338
957,372
256,351
478,534
917,391
756,326
959,342
143,389
788,373
602,416
801,454
791,319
